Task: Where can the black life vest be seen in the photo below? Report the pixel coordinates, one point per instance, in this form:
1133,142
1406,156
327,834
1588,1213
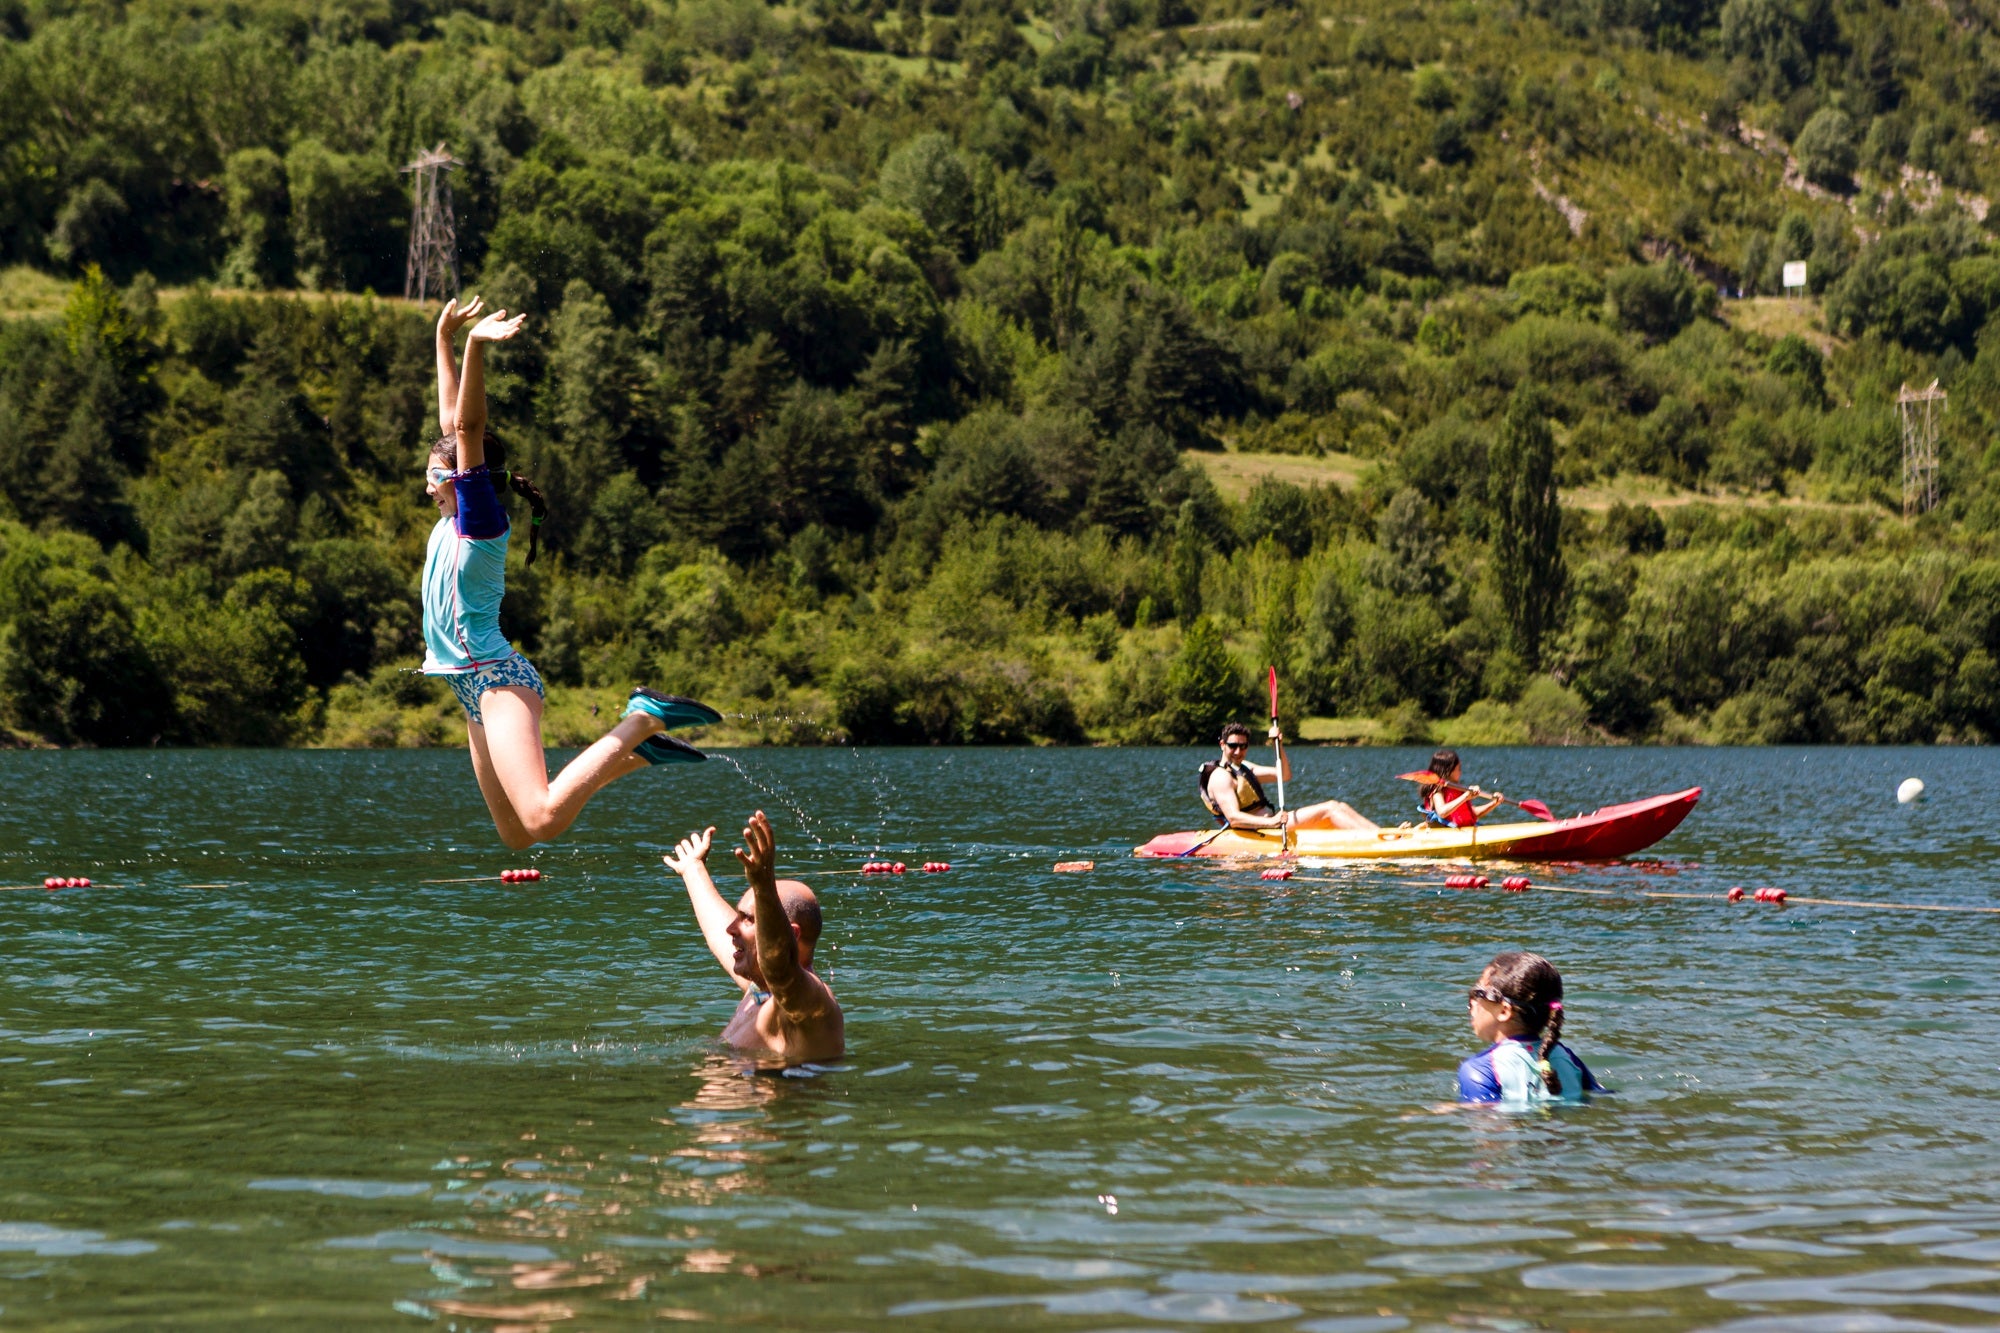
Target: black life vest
1246,785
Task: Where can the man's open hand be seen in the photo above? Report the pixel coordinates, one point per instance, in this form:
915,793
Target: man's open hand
691,852
759,853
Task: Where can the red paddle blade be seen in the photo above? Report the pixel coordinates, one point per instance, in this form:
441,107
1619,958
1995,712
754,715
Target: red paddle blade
1421,775
1274,694
1540,810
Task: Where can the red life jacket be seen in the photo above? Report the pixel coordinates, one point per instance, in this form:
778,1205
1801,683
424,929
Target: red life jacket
1463,817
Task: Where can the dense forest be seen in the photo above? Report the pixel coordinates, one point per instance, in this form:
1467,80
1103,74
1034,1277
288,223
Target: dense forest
1006,370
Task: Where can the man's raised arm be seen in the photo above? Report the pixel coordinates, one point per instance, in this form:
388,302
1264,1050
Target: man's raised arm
711,911
777,944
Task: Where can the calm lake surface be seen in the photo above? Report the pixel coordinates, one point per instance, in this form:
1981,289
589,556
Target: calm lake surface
1161,1095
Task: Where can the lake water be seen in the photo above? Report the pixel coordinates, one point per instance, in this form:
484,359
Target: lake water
1161,1095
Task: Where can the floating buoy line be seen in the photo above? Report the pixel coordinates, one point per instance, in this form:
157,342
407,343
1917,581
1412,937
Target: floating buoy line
1770,895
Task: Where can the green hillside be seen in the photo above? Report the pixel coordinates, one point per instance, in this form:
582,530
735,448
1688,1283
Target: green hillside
995,370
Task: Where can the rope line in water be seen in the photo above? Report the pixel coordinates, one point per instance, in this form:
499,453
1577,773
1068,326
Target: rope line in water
1703,897
45,888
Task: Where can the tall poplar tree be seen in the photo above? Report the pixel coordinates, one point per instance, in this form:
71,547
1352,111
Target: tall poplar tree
1527,540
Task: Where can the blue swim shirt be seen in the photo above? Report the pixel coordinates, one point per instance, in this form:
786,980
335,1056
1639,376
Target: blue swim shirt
465,576
1505,1072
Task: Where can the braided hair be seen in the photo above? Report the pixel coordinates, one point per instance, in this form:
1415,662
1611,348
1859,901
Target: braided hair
1535,989
444,450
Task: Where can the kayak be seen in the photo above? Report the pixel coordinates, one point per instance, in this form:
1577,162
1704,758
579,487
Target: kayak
1602,835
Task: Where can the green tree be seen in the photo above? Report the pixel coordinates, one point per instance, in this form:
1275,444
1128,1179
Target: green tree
1527,522
1203,690
1825,149
1767,34
1659,300
231,664
929,177
1189,552
94,228
348,219
72,667
253,190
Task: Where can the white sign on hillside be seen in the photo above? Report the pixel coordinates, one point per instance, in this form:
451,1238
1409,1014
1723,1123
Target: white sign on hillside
1795,274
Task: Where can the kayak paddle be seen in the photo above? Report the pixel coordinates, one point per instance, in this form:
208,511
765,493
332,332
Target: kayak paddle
1539,809
1280,754
1284,835
1204,842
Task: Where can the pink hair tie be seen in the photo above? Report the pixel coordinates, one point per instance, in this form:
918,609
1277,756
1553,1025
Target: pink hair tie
1555,1006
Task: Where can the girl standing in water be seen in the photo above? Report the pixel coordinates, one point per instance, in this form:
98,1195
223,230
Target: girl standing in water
1518,1007
465,576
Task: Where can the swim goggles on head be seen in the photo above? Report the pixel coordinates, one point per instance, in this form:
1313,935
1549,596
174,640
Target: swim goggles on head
440,475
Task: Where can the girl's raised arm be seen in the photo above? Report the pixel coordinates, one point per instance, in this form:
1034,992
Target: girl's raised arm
450,320
496,327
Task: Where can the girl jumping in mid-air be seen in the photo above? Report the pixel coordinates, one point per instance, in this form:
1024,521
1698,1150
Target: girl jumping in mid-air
1445,802
465,575
1518,1007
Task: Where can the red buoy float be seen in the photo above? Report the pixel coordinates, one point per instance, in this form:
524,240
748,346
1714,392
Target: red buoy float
1736,894
1284,872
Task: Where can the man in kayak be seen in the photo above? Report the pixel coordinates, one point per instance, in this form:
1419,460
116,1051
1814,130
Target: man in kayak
1233,789
788,1015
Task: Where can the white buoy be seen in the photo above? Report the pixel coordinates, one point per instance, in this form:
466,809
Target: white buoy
1910,790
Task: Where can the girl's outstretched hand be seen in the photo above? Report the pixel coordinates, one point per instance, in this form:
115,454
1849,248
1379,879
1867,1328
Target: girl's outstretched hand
691,851
496,327
455,316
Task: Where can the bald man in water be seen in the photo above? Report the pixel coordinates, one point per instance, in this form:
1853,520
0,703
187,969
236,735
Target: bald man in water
788,1016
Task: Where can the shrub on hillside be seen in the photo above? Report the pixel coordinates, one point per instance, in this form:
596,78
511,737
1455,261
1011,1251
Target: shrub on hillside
1658,300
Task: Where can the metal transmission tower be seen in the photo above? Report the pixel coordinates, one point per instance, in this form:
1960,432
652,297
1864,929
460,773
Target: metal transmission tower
1920,410
433,266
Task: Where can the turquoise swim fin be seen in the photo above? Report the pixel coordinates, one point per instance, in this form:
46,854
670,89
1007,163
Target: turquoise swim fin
668,750
672,709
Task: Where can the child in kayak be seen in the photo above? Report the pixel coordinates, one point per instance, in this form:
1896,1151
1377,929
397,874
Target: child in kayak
1518,1007
465,571
1445,802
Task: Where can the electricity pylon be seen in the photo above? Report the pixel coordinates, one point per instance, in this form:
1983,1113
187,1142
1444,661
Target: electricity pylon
433,266
1920,411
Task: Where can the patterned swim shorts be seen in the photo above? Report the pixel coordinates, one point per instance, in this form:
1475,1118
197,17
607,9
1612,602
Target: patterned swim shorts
515,670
